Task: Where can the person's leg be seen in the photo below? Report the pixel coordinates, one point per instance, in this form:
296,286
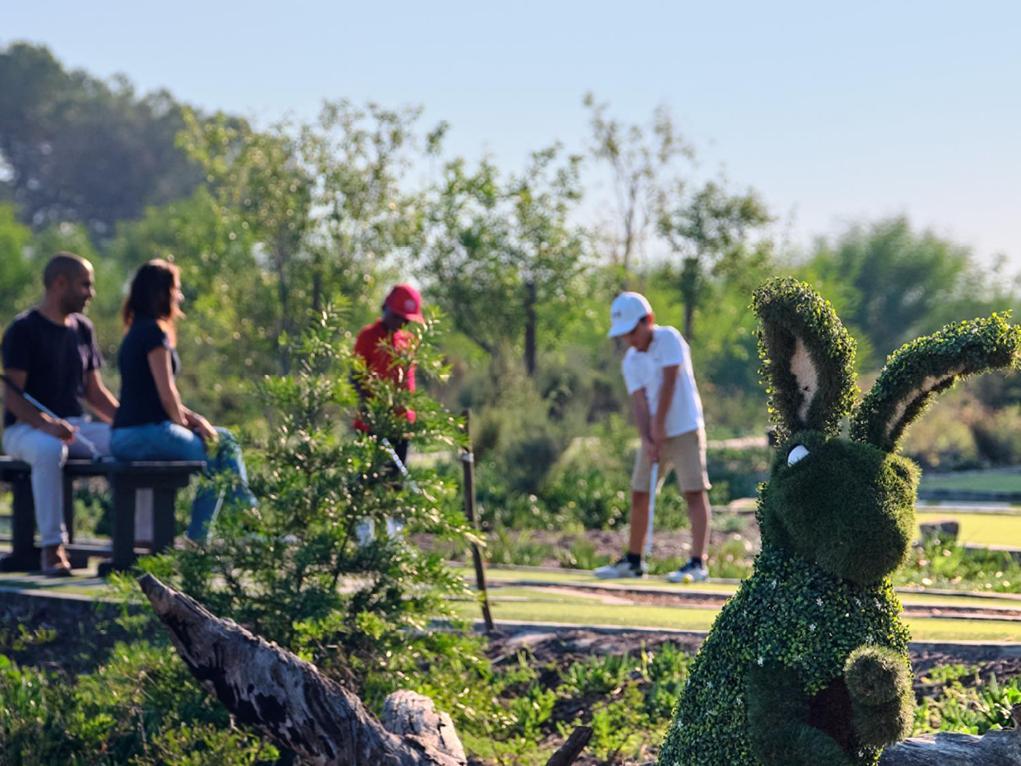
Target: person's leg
639,522
46,455
226,457
687,453
631,565
698,514
169,441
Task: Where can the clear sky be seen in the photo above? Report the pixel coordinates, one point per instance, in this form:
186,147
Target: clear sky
834,114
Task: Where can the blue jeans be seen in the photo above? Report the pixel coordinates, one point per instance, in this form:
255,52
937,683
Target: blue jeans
169,441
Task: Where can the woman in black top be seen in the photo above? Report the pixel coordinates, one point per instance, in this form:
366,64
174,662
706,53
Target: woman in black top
151,422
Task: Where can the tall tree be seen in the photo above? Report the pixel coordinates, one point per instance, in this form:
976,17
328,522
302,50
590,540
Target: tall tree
81,149
709,231
638,157
323,201
503,256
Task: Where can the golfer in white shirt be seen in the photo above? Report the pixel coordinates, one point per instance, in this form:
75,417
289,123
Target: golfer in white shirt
668,413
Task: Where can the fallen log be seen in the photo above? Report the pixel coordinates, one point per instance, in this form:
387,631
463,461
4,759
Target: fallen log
994,748
291,702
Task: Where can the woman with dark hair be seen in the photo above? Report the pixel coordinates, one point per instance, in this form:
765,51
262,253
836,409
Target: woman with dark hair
152,423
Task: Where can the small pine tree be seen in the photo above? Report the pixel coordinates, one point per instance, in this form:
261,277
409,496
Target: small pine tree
291,568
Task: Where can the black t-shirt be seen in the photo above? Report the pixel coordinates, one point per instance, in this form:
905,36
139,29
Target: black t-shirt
140,401
57,359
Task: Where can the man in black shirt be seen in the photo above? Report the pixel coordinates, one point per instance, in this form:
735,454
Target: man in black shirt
50,352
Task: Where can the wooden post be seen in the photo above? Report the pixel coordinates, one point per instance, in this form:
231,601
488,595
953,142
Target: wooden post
468,461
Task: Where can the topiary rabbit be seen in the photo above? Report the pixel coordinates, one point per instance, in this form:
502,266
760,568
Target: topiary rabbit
808,663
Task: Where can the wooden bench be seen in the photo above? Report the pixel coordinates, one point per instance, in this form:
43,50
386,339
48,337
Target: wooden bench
163,478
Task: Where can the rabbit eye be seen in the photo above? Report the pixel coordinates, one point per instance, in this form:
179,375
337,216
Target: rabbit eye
800,452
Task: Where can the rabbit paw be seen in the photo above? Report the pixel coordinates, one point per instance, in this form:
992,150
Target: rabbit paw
879,682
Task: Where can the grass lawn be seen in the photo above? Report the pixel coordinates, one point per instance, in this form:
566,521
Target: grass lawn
536,605
569,577
1002,480
980,528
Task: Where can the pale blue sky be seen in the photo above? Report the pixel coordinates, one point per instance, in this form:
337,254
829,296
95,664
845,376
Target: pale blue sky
833,114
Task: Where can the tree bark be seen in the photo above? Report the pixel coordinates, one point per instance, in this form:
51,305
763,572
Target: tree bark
995,748
531,321
292,702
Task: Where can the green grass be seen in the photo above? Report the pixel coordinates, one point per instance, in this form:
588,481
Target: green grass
569,577
977,481
981,528
536,605
593,613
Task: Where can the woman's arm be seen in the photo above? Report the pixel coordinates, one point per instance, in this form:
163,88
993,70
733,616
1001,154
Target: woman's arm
160,365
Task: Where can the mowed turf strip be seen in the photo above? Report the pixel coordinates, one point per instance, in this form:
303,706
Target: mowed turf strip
575,577
545,605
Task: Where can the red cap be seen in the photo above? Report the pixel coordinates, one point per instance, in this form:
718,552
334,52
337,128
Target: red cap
405,301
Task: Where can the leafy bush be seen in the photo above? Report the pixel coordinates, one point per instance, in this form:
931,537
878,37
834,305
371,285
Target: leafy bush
140,707
278,568
943,563
967,702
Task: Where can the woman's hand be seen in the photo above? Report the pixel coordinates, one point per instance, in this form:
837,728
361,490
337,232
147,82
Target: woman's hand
202,427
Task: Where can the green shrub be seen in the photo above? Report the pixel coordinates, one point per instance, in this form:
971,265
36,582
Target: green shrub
943,563
967,703
142,707
277,568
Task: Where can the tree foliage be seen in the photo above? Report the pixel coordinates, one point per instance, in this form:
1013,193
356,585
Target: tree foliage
709,231
80,149
504,258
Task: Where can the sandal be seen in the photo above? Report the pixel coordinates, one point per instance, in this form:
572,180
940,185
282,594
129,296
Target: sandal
60,566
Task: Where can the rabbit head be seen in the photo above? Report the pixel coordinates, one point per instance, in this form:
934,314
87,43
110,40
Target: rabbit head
848,503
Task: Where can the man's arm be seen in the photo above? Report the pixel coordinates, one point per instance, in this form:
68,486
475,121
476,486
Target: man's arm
103,403
666,398
28,414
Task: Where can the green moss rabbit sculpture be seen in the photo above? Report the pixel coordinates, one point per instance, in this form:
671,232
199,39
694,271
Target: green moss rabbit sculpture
808,663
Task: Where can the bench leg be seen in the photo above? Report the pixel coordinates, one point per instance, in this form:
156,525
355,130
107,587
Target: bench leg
123,528
163,521
24,554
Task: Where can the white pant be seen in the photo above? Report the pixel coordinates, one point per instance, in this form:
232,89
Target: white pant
47,455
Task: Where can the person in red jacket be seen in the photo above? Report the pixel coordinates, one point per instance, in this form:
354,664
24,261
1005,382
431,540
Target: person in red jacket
378,341
376,344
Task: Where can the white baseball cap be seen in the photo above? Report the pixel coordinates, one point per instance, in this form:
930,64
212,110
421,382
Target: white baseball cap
626,311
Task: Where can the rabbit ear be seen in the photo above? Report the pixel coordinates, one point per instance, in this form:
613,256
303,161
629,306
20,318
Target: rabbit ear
807,356
926,366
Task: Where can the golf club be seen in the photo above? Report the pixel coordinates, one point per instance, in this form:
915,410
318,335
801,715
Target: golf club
47,411
653,481
400,464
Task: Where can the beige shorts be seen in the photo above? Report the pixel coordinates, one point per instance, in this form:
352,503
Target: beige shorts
685,453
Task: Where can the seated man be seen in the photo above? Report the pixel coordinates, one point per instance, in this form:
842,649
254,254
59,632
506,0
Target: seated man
50,353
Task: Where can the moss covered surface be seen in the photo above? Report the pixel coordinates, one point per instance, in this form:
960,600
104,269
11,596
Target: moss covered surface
790,613
808,663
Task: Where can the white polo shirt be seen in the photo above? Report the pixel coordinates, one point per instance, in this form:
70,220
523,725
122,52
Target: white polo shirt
644,369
